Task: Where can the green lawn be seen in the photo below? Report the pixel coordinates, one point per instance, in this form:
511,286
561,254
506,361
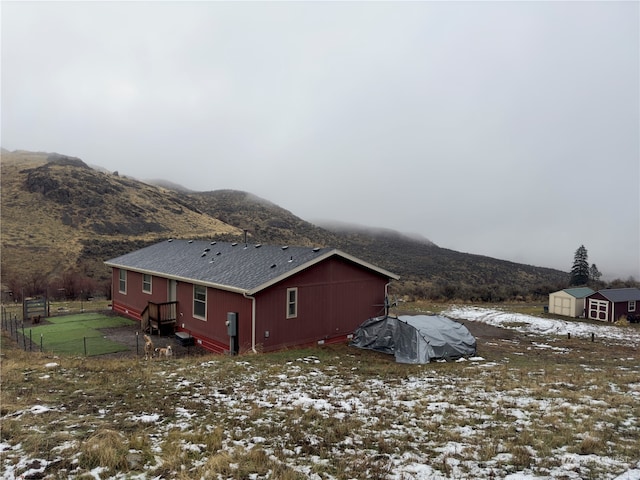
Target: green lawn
78,334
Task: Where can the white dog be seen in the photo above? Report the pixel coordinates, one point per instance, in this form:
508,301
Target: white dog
164,352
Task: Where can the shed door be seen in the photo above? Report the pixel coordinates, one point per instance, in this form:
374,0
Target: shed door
562,306
599,310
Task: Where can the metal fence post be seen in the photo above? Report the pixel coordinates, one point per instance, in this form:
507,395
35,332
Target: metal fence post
84,339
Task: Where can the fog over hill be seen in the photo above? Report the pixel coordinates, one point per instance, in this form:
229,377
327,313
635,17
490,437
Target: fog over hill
344,227
511,133
61,215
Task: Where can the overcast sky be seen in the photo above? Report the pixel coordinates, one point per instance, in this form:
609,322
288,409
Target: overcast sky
507,129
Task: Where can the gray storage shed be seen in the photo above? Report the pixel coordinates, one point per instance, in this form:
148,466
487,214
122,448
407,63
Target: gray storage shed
416,338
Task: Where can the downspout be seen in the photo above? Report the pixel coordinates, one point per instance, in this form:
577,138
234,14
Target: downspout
386,299
253,321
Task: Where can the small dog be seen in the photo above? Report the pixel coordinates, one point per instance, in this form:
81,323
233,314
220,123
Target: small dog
149,349
164,352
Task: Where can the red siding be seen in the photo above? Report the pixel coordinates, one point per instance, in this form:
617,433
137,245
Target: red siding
135,300
214,329
614,311
334,298
211,333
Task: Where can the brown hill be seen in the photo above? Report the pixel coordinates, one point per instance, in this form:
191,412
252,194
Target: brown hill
59,215
427,270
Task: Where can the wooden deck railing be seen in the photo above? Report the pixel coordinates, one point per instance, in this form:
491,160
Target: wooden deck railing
159,316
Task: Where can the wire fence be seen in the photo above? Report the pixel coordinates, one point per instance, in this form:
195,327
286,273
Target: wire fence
28,338
31,341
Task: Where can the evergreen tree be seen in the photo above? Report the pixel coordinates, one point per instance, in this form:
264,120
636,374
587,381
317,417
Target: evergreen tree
594,273
580,269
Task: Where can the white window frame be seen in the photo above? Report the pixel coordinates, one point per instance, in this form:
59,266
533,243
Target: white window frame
197,292
122,281
632,306
147,285
292,303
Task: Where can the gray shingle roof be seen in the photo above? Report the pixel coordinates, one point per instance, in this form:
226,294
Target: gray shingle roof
233,266
616,295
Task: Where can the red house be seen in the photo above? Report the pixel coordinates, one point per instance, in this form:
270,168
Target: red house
611,304
239,297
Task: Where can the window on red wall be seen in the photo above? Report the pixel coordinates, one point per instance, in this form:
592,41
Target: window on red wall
122,284
146,283
200,302
292,302
632,305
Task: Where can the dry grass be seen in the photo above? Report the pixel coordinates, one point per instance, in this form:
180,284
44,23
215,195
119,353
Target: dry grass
335,412
96,207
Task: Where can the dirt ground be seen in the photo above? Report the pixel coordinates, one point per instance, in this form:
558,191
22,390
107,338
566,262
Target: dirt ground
482,331
127,335
133,338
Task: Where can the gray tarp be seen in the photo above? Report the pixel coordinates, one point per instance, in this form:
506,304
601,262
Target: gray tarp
416,338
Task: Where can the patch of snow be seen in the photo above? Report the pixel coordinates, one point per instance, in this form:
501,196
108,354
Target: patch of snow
37,409
152,418
97,472
633,474
543,326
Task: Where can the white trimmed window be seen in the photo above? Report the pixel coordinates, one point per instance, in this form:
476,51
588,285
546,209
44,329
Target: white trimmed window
292,302
146,283
122,284
632,305
200,302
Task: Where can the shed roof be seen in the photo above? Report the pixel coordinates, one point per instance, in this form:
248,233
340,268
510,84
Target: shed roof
245,268
579,292
616,295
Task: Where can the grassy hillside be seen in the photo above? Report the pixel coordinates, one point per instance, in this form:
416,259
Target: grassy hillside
59,215
425,268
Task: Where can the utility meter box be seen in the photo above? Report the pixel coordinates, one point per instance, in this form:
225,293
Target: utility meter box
232,324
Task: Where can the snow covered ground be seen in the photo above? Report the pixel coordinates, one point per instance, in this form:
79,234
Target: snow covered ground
543,326
430,424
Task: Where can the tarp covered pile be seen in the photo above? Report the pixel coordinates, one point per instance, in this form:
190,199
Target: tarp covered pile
416,338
